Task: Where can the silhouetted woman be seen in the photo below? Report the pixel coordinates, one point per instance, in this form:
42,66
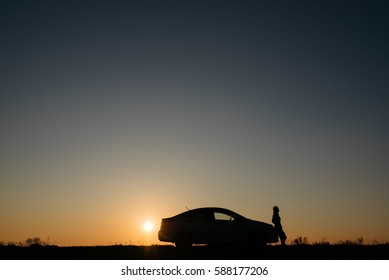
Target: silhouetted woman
276,220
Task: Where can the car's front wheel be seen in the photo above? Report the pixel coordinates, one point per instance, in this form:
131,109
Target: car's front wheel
183,240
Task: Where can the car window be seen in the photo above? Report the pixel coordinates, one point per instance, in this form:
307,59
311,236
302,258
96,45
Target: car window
201,216
223,217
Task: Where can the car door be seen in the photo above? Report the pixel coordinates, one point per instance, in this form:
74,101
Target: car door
200,226
227,228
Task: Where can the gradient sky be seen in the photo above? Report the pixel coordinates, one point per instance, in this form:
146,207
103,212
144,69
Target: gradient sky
117,112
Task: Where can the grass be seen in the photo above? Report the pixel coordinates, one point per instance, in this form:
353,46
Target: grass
302,240
298,249
298,241
29,242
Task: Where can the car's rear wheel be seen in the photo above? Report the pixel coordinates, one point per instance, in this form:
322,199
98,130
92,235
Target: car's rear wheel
183,240
257,238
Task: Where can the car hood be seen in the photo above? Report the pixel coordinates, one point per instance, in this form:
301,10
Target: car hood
259,224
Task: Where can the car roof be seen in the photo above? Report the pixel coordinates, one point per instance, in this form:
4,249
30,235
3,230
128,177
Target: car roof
210,209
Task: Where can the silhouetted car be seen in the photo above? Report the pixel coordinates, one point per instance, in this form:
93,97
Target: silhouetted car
212,225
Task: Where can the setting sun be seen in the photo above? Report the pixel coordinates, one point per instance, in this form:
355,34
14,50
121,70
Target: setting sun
148,226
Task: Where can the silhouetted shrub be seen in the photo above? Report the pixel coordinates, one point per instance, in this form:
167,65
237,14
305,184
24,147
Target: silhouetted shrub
349,242
300,241
35,242
323,242
11,244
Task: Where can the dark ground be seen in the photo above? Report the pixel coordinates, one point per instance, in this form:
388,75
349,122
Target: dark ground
292,252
